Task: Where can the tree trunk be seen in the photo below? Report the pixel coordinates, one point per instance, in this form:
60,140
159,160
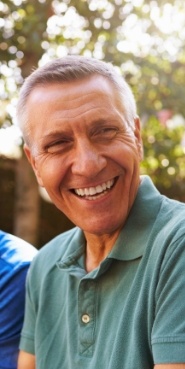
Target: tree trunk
27,204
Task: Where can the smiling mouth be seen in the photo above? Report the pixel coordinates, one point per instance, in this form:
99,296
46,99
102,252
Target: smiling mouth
92,193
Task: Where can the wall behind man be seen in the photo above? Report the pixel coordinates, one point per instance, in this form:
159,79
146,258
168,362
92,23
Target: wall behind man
51,220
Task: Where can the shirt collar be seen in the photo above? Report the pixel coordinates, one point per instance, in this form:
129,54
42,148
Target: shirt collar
133,238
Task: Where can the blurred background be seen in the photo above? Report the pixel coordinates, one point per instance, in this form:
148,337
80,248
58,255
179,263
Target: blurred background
144,39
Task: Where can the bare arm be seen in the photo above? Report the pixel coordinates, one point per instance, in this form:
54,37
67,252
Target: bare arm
26,361
169,366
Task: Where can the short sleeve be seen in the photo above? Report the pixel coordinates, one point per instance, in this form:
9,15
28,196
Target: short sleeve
28,332
168,333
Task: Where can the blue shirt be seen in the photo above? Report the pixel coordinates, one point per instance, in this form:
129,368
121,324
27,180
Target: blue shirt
15,257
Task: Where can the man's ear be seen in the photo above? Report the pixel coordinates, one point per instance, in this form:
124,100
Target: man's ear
33,163
137,132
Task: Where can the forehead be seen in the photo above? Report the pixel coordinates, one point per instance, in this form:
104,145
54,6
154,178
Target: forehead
71,104
75,92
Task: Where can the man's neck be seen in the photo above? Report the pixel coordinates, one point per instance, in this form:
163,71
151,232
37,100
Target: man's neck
97,248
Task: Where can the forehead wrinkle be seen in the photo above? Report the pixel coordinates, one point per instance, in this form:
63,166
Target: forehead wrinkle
95,99
66,98
61,124
61,116
67,129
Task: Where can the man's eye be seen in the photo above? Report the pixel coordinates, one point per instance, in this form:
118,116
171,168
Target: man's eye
107,132
57,146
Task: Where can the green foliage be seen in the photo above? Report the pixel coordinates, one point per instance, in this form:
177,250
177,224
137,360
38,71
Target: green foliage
164,157
22,31
143,38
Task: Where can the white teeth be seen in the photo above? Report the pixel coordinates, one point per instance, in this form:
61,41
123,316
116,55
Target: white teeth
99,189
109,184
92,191
104,186
80,192
86,191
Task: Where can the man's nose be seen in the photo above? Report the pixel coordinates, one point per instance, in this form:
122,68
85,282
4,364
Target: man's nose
89,160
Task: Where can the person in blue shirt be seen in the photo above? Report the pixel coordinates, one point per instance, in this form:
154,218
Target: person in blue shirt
15,257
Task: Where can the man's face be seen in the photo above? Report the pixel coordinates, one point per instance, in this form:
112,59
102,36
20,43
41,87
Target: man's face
84,153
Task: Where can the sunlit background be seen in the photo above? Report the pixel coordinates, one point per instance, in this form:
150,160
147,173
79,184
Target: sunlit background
144,39
144,29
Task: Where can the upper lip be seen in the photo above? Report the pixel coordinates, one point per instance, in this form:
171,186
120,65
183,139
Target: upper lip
93,190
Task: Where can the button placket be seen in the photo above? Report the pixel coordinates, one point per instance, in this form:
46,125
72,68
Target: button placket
86,311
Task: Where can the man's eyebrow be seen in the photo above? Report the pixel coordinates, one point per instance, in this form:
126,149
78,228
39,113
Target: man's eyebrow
106,121
103,120
66,131
55,134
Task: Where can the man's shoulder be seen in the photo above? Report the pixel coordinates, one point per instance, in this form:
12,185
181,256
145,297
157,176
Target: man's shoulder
171,220
61,245
174,211
50,255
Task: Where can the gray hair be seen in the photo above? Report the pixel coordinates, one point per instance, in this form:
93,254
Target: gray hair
71,68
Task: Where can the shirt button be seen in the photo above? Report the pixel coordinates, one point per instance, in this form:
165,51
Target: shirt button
85,318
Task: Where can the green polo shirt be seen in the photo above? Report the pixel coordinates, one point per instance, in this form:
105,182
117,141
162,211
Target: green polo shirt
129,313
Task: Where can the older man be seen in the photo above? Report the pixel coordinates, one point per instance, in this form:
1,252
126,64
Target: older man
110,293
